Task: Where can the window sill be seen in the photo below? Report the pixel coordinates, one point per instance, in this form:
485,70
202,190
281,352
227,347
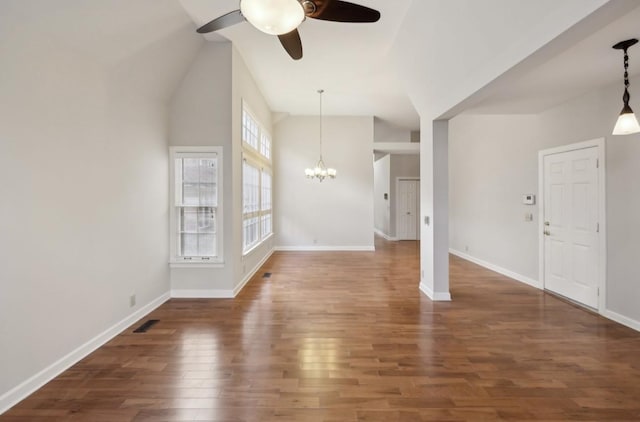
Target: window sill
256,246
182,264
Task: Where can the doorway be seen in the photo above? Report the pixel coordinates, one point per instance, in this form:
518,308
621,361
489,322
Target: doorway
407,208
572,237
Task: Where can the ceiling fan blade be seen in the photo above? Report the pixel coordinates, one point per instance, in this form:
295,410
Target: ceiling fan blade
292,43
343,11
223,21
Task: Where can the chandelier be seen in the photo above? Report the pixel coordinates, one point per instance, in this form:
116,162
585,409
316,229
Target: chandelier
320,171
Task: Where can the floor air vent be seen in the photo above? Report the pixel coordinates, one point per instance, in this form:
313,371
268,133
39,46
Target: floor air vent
144,327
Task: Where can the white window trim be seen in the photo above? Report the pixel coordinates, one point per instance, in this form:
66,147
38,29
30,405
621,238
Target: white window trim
217,262
256,159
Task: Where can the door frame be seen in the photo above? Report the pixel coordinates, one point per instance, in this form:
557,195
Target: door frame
397,204
599,144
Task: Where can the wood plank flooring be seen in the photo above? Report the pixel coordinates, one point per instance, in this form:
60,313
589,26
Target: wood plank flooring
348,337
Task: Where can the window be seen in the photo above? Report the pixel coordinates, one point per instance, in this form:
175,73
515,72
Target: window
257,213
196,211
250,129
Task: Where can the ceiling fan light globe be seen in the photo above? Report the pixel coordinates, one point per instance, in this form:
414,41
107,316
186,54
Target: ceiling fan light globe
626,124
274,17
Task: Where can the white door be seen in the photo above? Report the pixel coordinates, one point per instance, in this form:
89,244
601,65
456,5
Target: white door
571,229
407,209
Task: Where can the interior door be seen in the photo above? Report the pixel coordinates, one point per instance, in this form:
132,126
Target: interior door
571,226
407,209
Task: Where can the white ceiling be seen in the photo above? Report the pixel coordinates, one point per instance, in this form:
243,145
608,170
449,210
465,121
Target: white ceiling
155,40
352,63
349,61
588,64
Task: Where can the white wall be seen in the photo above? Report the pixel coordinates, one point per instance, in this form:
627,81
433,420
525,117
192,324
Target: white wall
493,161
407,166
206,110
593,116
334,214
246,89
384,131
83,215
201,115
382,186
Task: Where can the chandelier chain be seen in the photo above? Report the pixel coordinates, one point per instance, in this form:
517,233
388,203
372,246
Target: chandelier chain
320,91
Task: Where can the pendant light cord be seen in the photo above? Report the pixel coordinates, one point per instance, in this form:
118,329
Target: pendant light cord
626,96
320,91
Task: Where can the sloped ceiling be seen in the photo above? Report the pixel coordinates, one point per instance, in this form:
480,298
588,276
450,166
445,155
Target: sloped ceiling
145,44
359,68
149,44
349,61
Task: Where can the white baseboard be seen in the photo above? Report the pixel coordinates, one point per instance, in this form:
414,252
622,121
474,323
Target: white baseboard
621,319
201,294
251,273
325,248
385,236
22,391
220,293
436,297
511,274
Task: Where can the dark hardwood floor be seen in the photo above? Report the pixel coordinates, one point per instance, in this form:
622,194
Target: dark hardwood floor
349,337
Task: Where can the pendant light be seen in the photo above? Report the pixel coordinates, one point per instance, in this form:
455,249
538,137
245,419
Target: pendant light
627,122
321,171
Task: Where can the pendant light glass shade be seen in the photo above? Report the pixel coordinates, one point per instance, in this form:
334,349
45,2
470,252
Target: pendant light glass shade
627,122
274,17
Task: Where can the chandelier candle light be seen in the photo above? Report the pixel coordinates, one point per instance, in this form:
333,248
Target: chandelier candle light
321,171
627,122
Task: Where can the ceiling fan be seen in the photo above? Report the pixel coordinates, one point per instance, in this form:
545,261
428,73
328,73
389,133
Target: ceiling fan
282,18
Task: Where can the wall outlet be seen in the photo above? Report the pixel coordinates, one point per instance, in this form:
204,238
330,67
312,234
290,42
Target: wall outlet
528,217
132,300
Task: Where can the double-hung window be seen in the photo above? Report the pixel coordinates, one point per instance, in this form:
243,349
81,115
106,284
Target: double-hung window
257,213
196,209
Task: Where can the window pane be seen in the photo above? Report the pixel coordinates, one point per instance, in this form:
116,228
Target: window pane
190,194
208,171
249,130
208,194
206,245
250,188
266,192
197,231
206,220
266,225
189,220
189,244
265,145
190,170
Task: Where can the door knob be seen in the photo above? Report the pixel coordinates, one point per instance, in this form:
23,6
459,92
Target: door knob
546,223
547,233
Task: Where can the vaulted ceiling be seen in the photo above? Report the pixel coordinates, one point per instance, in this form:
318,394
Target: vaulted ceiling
153,42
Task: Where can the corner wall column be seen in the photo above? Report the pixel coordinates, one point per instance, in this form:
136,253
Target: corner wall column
434,209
